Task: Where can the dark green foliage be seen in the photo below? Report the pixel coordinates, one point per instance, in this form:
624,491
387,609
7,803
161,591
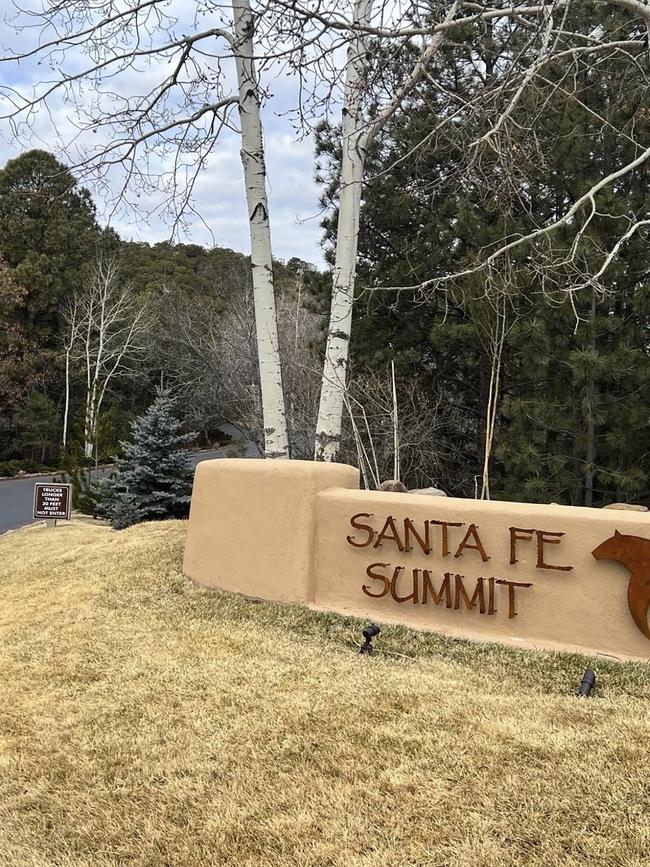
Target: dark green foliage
37,424
48,236
19,362
572,422
574,416
186,267
82,474
155,269
153,478
112,425
50,241
9,468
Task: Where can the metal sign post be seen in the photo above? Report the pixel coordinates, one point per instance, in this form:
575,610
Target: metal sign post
52,502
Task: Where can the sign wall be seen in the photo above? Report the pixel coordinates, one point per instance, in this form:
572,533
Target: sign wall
556,577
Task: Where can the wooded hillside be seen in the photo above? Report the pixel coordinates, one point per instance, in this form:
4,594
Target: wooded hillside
511,389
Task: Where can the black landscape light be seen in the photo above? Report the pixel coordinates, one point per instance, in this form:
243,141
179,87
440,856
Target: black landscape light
586,684
369,633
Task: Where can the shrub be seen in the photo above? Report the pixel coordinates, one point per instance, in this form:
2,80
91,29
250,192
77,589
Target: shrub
9,468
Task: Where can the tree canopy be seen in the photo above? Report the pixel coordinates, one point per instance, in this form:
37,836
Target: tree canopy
48,234
566,366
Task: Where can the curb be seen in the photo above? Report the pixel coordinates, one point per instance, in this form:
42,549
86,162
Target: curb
22,476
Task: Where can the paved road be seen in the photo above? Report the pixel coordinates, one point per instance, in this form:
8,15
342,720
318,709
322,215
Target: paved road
17,495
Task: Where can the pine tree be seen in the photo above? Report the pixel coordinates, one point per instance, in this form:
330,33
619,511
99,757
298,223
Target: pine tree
37,422
48,233
153,479
572,422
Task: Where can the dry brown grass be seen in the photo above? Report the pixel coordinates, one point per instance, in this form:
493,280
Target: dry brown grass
145,722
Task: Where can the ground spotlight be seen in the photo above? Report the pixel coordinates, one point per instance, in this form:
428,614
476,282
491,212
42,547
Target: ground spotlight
369,633
586,684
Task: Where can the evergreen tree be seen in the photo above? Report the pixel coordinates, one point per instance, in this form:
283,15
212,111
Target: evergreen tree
16,372
153,479
48,234
572,423
37,423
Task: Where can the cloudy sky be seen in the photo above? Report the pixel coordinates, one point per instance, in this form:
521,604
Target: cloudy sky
219,193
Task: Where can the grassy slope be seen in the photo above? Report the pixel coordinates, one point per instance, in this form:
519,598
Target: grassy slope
146,722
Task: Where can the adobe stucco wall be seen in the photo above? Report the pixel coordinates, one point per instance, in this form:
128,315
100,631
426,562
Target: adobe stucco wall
251,527
524,574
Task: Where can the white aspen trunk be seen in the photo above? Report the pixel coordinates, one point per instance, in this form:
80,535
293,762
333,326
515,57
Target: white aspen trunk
88,449
104,280
72,320
90,421
276,440
332,396
396,460
496,354
355,138
93,369
66,408
108,323
88,443
487,448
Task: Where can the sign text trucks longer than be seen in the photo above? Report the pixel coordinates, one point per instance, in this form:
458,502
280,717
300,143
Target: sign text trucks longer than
52,501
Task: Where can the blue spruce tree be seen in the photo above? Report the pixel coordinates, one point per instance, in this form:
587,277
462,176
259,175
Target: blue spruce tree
153,479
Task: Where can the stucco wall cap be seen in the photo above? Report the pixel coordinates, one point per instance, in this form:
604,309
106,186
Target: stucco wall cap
257,466
386,500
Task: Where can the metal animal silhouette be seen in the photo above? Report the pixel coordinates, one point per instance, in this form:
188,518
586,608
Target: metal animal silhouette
634,553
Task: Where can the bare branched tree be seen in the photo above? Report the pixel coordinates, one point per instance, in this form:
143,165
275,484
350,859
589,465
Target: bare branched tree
159,137
368,435
148,107
71,319
539,56
105,336
541,48
208,355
